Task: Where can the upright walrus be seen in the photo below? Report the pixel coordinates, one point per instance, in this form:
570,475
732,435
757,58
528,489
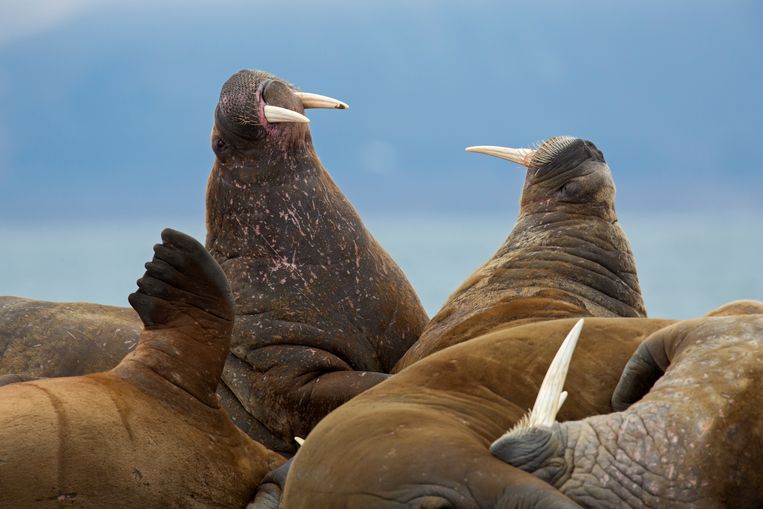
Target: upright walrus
150,432
322,311
567,255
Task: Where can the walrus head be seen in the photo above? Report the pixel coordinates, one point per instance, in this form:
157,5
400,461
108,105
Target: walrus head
257,111
565,174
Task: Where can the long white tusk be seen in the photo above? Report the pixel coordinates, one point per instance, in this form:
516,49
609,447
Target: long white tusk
550,396
547,404
275,114
320,101
517,155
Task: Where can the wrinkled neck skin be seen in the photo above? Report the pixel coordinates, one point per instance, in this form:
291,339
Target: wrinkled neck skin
562,260
567,242
302,266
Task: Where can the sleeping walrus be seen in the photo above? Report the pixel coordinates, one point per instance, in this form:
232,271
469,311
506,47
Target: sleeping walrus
688,431
421,439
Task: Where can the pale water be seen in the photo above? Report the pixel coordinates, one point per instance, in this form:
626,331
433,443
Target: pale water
687,264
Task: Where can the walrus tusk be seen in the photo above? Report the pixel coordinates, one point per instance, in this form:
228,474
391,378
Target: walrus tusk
320,101
275,114
299,441
517,155
551,396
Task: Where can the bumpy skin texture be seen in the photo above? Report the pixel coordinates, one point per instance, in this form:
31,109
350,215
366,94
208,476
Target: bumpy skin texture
694,440
322,311
150,432
422,436
567,256
47,339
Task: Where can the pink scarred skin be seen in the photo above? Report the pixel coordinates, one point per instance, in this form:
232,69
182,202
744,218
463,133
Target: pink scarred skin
322,311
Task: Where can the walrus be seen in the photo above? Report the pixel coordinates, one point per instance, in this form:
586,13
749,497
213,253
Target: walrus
52,339
566,256
322,311
421,439
150,432
687,431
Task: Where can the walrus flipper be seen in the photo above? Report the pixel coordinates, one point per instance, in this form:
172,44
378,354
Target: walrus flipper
182,279
186,306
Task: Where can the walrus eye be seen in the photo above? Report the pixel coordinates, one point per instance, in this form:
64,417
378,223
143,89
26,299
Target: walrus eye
572,190
220,144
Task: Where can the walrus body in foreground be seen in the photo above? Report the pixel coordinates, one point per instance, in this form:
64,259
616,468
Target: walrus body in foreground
421,438
692,439
566,256
150,432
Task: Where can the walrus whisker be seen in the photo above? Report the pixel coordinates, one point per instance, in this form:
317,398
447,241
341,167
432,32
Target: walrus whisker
551,397
275,114
521,156
320,101
548,149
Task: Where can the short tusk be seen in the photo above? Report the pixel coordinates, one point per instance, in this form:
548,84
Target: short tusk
299,441
274,114
521,156
320,101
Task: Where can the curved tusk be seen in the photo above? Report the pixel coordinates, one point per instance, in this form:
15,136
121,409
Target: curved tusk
299,441
551,396
517,155
274,114
547,403
320,101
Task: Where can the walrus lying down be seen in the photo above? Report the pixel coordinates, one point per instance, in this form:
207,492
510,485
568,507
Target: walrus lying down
150,432
421,438
689,432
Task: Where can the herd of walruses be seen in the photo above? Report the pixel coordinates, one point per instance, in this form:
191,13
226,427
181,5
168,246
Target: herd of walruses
289,363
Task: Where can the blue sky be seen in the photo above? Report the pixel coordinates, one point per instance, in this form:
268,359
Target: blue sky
106,107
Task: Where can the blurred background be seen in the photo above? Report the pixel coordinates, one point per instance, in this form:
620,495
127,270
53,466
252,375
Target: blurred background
106,108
